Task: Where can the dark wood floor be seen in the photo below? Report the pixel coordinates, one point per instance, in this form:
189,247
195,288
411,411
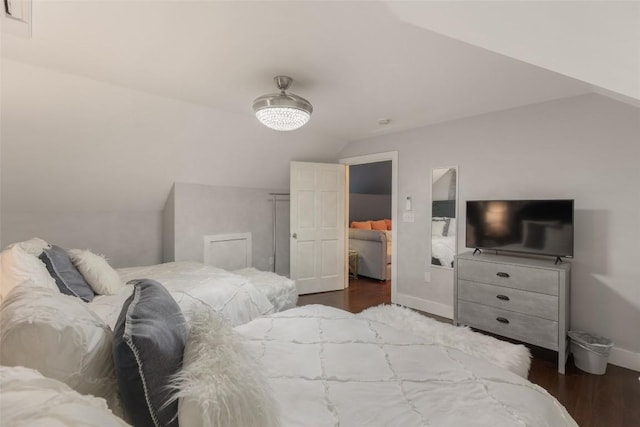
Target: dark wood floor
610,400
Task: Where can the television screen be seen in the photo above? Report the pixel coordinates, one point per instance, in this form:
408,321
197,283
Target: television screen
542,227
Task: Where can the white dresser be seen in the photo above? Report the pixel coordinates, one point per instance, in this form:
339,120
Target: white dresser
526,299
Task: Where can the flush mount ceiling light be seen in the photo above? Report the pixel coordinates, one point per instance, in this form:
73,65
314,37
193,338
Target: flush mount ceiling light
282,111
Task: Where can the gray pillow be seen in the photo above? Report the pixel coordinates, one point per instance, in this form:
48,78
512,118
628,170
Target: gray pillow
148,345
65,274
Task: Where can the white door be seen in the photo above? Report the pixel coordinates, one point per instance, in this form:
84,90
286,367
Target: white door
317,239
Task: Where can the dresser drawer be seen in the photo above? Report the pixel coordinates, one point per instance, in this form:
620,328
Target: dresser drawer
509,275
534,330
530,303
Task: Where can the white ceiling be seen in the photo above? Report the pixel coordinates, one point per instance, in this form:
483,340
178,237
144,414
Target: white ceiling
114,86
594,41
355,61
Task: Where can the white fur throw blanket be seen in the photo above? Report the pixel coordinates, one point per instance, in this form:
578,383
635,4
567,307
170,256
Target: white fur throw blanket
220,384
513,357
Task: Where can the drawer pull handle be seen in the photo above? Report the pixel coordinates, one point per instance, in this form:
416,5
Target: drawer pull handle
502,320
503,297
501,274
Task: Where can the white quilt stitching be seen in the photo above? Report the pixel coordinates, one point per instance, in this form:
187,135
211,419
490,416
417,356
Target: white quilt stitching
315,313
396,377
323,374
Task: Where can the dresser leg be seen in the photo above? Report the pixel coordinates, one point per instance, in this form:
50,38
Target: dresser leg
563,355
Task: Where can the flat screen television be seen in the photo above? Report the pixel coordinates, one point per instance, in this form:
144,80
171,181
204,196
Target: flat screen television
540,227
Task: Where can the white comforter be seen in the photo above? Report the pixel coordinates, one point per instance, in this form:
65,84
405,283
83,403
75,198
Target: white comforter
327,368
279,290
191,284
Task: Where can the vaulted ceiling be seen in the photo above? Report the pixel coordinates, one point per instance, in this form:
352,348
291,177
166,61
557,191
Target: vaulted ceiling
109,102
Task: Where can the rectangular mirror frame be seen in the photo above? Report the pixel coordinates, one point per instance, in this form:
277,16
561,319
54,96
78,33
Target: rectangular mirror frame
443,241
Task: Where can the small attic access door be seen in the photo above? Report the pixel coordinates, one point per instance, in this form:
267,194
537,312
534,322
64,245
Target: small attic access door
228,251
317,235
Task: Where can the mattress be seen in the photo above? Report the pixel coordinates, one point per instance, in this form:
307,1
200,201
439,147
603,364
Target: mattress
192,284
281,291
328,367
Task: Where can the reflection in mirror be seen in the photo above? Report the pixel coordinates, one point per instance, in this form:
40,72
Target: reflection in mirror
444,186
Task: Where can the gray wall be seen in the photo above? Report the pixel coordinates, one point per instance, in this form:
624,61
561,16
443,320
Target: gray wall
168,227
444,187
370,191
125,238
585,148
202,210
282,235
363,207
370,178
176,233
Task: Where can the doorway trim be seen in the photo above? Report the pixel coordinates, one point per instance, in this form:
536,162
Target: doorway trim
374,158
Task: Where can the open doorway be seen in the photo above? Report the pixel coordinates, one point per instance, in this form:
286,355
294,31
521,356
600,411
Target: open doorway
372,199
369,220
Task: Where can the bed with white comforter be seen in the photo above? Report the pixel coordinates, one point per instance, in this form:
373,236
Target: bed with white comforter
328,367
279,290
236,297
307,366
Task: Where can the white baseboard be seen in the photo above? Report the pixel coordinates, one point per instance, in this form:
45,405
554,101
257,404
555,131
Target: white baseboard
427,306
625,358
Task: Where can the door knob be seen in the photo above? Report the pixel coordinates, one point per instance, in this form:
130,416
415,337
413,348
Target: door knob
294,235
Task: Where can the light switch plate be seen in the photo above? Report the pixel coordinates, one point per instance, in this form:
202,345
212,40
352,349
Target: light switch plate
408,217
427,277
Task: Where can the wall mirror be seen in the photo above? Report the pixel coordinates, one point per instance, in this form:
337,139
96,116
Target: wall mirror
444,193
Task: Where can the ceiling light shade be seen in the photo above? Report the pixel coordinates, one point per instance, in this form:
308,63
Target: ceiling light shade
282,111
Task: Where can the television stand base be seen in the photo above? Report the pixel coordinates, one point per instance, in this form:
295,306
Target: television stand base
558,260
476,250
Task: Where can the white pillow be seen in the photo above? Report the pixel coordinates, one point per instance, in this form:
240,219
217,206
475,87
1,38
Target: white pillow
220,383
59,336
19,267
33,246
437,227
30,399
95,269
452,231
